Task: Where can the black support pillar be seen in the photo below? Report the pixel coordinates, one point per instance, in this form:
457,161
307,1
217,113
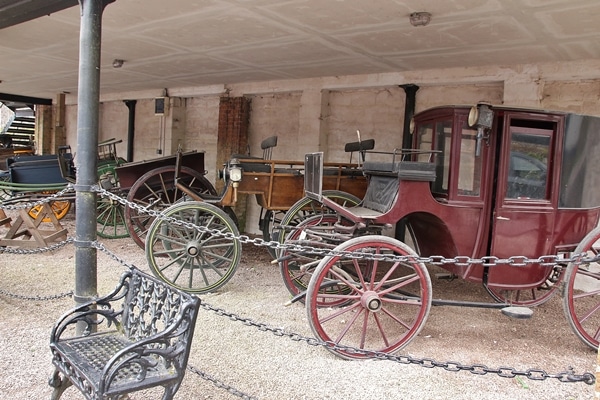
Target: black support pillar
88,102
409,111
130,128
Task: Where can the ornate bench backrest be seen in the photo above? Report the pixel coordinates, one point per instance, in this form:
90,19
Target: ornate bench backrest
151,306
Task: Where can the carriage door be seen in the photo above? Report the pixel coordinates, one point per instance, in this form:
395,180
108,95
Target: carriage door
523,216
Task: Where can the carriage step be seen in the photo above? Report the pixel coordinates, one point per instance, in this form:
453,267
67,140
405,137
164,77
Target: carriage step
447,276
517,312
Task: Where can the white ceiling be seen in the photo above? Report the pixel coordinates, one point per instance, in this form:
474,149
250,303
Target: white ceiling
182,43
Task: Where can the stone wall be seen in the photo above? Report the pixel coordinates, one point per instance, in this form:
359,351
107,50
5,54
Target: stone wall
322,114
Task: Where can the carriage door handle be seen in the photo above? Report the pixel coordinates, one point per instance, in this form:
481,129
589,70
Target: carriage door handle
502,218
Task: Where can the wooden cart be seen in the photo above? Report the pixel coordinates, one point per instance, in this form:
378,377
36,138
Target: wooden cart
200,262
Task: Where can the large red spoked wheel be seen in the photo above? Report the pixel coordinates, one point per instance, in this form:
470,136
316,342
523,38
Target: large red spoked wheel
155,190
581,293
386,302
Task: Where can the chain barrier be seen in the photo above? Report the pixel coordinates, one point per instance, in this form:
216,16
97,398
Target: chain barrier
25,204
477,369
36,298
452,366
52,247
220,384
486,261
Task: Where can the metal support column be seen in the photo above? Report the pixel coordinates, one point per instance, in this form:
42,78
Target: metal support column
130,128
409,111
88,102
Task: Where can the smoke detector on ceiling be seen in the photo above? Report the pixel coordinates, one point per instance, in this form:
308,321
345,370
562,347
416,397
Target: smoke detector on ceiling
421,18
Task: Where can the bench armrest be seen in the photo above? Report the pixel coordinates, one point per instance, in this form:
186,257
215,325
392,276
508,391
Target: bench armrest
93,313
167,349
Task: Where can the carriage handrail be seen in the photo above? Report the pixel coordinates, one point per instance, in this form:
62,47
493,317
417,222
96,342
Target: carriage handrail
293,164
31,187
405,154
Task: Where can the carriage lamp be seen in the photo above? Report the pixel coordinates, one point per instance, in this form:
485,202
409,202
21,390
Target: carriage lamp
482,118
235,171
235,175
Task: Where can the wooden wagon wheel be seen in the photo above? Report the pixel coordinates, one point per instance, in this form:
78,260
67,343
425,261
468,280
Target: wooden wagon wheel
387,302
581,291
110,219
303,209
194,261
297,267
155,190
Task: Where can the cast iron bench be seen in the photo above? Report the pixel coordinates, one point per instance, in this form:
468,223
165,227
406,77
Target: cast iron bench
137,337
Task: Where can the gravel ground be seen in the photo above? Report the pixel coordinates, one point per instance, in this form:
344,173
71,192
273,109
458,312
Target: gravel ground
264,366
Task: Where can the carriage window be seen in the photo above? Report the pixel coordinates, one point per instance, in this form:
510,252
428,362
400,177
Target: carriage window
437,136
529,164
470,167
443,135
425,140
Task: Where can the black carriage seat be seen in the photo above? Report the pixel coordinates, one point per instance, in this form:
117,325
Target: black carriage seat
361,147
384,181
267,147
34,169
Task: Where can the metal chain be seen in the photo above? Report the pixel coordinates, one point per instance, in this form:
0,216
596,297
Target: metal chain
486,261
477,369
56,246
26,205
36,298
52,247
220,384
112,255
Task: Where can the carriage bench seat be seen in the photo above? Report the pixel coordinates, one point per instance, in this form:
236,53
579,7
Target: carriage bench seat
137,337
346,172
384,181
404,170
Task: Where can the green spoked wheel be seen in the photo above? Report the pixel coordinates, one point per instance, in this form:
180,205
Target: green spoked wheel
110,219
195,260
386,302
581,291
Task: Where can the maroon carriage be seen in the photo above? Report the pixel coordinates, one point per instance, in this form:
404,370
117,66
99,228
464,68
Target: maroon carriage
501,196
